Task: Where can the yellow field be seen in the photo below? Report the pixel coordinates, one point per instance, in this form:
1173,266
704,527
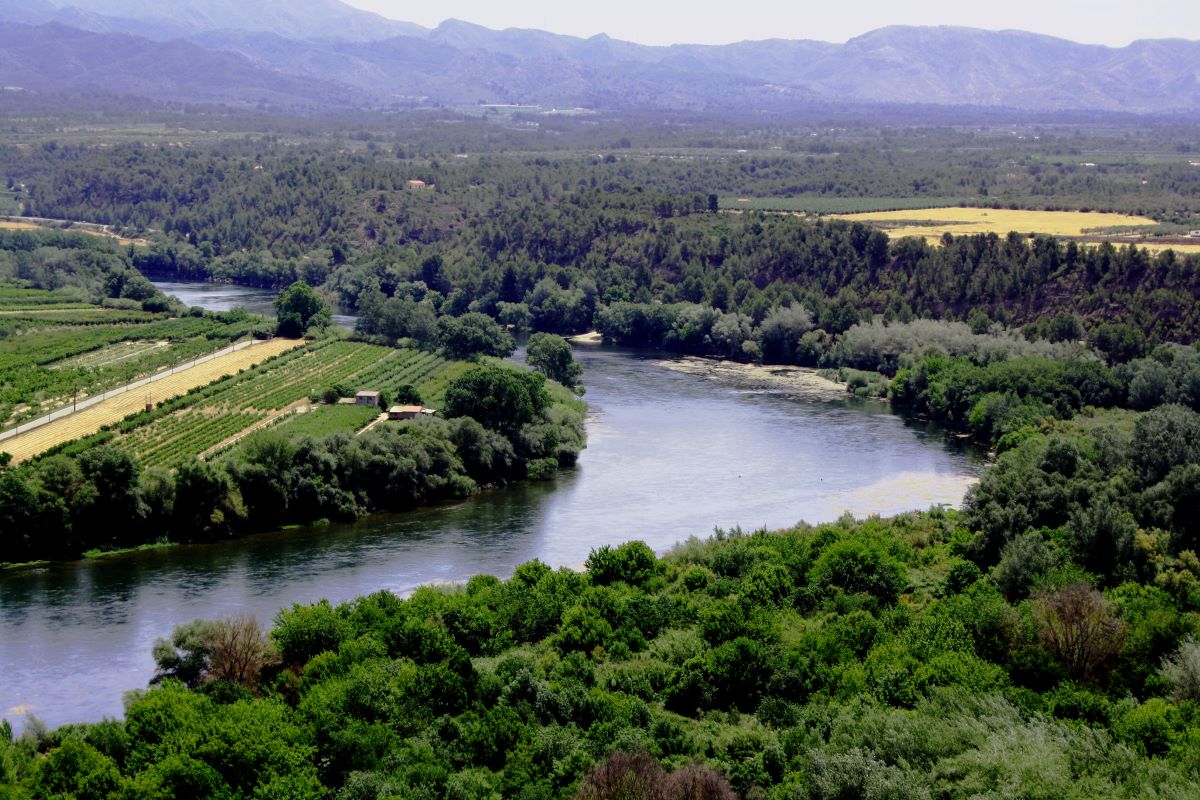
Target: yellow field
1158,248
90,420
994,220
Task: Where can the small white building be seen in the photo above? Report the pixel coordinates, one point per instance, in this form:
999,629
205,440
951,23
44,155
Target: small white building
366,398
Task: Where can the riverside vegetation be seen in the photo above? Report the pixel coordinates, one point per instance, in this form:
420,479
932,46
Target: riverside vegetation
186,470
1041,642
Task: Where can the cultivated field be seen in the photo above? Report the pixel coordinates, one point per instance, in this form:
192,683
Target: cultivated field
217,417
53,347
324,420
961,221
90,420
1089,226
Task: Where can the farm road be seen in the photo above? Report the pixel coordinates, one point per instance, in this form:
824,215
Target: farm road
90,414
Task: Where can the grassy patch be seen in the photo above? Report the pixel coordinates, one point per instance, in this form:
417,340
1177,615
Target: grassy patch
325,420
97,552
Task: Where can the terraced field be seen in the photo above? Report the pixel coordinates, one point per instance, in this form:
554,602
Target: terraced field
92,419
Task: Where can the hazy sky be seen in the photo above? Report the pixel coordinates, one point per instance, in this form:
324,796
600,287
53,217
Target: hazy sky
703,21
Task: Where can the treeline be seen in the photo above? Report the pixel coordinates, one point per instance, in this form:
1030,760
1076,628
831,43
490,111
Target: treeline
1042,643
998,399
502,425
80,267
567,233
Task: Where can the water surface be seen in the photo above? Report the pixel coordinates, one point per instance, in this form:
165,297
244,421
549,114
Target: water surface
670,455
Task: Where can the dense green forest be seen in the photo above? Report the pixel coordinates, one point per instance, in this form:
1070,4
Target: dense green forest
579,219
1040,643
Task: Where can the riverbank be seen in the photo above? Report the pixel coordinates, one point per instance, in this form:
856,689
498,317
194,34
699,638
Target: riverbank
799,382
754,459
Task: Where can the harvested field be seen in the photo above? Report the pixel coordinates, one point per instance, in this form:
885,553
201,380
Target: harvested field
933,222
90,420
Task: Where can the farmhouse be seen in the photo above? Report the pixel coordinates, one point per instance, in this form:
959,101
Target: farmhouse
408,411
366,397
417,184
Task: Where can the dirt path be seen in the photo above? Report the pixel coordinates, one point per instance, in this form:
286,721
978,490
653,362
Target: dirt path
110,407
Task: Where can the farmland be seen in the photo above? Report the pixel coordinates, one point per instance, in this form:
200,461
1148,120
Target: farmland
930,223
52,350
212,417
324,420
90,420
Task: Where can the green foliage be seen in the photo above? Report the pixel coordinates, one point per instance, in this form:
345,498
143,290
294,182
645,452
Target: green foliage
299,308
497,397
633,563
552,356
859,565
473,335
815,662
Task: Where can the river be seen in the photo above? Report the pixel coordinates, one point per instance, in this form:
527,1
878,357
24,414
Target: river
669,455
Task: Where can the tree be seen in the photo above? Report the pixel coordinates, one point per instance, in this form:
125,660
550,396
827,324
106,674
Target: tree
1077,626
551,355
499,398
238,651
299,308
473,335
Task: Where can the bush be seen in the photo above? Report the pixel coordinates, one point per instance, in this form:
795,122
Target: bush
858,565
1181,671
632,562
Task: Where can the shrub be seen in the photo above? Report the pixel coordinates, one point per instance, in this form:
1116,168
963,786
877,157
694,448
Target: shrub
633,563
857,565
1181,671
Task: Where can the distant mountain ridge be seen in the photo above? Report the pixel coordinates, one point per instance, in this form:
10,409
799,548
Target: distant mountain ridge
355,57
168,19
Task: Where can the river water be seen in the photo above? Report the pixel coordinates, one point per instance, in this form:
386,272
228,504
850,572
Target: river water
670,455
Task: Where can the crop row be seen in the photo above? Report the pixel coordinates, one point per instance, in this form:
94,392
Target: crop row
241,401
43,347
304,376
197,433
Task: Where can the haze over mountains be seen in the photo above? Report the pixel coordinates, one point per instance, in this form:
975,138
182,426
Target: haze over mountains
323,53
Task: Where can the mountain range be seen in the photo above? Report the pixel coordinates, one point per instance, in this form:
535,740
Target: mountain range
324,53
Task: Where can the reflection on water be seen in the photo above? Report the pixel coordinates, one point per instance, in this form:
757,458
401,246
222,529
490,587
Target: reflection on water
227,296
670,455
